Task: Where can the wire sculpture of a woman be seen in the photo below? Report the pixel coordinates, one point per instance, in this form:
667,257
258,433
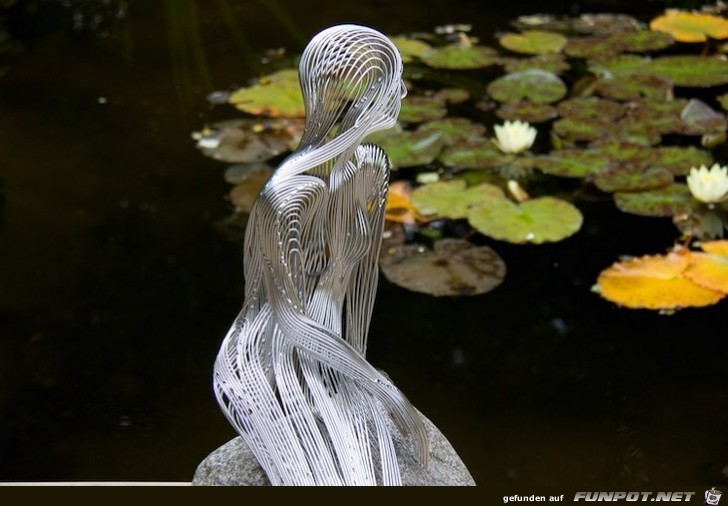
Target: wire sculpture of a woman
291,375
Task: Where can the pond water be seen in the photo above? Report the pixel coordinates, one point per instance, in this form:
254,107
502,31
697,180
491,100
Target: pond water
117,287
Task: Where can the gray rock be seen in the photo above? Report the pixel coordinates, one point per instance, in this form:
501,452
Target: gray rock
233,464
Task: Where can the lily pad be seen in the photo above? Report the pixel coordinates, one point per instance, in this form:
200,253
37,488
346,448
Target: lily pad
632,177
709,270
667,201
634,86
451,199
654,282
584,129
410,48
239,173
660,116
417,109
618,65
454,129
555,63
407,148
691,26
477,154
250,140
702,223
243,194
527,111
454,267
623,151
533,42
573,163
682,70
535,85
592,47
605,24
590,107
460,57
276,96
700,119
535,221
452,95
643,41
679,160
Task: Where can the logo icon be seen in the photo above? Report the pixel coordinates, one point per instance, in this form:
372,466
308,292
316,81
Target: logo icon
712,496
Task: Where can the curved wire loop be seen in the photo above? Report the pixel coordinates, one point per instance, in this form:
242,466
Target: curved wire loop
291,375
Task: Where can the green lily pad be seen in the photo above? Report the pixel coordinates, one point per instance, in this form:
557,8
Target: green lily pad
533,42
643,41
661,116
477,154
584,129
407,148
630,129
623,151
527,111
454,267
682,70
535,221
605,24
667,201
417,109
618,65
535,85
454,129
679,160
574,163
632,177
723,101
451,199
460,57
555,63
276,96
590,107
452,95
410,48
592,47
634,86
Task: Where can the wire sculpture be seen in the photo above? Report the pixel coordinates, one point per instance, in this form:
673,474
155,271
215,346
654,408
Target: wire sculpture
291,375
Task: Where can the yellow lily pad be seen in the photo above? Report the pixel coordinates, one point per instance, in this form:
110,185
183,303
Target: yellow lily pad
691,26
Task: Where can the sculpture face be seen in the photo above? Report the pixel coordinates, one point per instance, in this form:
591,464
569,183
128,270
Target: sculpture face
350,76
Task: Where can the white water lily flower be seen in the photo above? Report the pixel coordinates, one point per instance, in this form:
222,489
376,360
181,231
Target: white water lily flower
514,136
709,185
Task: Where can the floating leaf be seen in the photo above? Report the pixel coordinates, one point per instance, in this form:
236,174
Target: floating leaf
709,270
699,118
617,65
250,140
689,70
667,201
399,208
643,41
410,48
533,42
691,26
679,160
623,151
715,247
590,107
702,223
527,111
476,154
239,173
460,57
576,163
535,85
654,282
243,194
662,117
604,24
450,199
455,267
409,148
277,96
592,47
632,177
452,95
534,221
584,129
454,129
416,109
633,86
555,63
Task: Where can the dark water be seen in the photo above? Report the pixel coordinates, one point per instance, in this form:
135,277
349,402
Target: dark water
116,288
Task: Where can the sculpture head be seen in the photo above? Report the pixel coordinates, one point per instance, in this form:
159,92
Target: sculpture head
351,76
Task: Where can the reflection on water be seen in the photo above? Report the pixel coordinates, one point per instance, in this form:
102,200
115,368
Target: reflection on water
117,288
